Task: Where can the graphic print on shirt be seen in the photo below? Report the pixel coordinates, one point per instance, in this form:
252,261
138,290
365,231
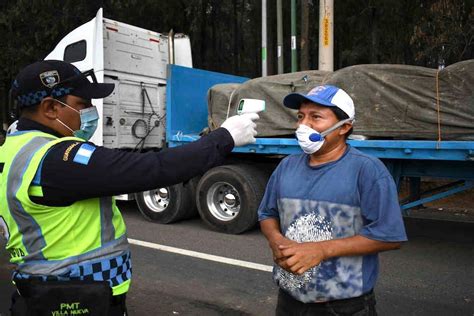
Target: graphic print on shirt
310,220
310,227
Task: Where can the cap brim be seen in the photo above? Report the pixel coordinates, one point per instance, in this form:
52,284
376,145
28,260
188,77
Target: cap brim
94,90
294,100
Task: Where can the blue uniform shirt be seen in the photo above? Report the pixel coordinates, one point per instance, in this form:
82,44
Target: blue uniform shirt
354,195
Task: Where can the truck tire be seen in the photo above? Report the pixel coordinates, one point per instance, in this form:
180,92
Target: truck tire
168,204
228,197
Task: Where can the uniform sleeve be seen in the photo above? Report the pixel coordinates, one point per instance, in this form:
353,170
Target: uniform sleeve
73,171
268,207
381,210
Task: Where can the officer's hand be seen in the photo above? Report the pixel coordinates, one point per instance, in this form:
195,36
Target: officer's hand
242,128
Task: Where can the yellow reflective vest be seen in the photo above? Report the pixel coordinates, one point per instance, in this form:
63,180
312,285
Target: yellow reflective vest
85,240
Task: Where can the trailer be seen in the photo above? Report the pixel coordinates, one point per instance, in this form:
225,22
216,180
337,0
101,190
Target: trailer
159,103
453,160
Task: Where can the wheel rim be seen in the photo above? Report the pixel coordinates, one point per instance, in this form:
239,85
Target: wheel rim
223,201
157,200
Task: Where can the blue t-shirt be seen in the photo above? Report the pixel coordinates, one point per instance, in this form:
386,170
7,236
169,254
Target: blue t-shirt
355,195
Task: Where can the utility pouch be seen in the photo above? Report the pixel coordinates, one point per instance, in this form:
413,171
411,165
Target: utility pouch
65,297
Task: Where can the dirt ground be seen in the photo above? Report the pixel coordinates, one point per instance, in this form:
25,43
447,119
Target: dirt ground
459,206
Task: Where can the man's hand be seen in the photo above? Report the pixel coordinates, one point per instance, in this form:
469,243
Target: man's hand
300,257
242,128
275,242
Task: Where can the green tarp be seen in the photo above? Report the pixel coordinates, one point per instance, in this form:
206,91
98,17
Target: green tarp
392,101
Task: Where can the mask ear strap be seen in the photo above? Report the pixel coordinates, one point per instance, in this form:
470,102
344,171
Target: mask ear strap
70,129
336,126
67,105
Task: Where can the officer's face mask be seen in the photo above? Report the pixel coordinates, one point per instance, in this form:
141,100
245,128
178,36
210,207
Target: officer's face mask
89,119
311,140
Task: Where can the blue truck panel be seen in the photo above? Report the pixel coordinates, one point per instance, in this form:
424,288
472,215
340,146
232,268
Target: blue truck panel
186,101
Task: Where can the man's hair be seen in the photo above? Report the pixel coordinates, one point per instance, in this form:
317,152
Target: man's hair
341,115
30,110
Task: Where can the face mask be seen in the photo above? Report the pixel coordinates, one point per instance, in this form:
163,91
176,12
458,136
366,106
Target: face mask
311,140
89,119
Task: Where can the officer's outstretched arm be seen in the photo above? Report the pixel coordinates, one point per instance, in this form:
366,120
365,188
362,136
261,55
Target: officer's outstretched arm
74,171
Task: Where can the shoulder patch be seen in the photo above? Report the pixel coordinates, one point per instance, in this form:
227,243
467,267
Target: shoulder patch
84,154
68,151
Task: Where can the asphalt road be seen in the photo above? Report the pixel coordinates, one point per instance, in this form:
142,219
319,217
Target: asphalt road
432,274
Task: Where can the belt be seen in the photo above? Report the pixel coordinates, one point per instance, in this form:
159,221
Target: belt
364,297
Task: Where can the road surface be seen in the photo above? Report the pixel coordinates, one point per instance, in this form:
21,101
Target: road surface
186,269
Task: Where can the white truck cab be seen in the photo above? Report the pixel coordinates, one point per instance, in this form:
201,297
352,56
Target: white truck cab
133,117
135,60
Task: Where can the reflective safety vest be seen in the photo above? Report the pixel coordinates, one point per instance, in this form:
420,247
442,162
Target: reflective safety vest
85,240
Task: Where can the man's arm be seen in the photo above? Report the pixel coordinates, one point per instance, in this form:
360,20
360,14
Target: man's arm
300,257
383,229
271,230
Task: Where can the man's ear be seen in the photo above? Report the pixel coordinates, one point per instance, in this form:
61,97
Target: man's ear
48,108
345,128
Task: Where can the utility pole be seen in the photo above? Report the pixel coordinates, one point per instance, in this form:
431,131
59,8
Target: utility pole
326,35
264,38
279,37
304,35
294,57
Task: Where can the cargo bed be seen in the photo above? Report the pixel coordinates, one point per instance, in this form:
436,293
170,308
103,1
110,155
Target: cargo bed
187,117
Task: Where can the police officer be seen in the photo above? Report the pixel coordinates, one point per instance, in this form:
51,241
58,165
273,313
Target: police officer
64,232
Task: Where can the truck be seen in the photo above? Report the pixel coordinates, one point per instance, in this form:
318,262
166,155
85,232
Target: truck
160,101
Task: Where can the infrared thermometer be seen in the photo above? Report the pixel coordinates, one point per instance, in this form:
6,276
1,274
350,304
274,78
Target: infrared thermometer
250,106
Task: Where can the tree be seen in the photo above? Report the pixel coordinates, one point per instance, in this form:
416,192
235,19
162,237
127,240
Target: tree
304,64
225,34
30,29
445,33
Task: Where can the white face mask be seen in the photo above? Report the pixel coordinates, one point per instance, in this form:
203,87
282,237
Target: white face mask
311,140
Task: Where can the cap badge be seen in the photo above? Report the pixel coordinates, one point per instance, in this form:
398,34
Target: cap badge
317,89
49,78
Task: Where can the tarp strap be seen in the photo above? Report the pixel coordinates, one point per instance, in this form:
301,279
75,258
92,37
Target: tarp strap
438,110
228,105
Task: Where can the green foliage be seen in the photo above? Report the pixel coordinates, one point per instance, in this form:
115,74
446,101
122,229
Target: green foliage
445,33
30,29
225,34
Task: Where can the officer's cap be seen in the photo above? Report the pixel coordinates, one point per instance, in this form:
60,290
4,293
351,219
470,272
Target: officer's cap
56,78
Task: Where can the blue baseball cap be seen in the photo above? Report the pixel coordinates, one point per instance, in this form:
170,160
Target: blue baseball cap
326,95
56,78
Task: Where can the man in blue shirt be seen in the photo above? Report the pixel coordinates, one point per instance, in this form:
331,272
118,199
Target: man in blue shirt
327,213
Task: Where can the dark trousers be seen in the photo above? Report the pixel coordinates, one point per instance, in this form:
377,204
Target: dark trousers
359,306
19,308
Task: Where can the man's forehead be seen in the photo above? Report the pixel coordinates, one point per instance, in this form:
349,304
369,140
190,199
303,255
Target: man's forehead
313,107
